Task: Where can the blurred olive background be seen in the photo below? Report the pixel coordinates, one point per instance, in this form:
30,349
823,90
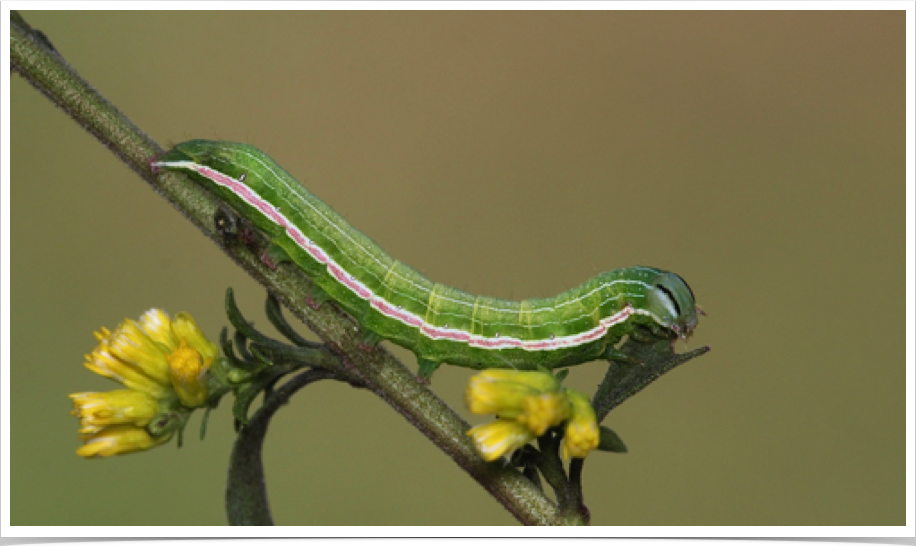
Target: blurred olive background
515,154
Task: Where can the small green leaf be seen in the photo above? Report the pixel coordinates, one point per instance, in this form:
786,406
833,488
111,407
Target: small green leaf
246,394
610,441
242,326
204,421
240,342
229,351
275,316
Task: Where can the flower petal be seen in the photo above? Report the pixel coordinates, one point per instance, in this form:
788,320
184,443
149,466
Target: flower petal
503,436
184,327
99,409
118,440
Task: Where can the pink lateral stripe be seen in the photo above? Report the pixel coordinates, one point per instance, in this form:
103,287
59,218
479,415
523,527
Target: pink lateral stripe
246,193
250,197
389,310
344,279
433,332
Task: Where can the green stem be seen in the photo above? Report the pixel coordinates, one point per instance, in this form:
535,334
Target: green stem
576,500
551,468
47,71
246,491
33,58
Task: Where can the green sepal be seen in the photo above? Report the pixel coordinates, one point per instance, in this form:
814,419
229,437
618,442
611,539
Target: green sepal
561,375
174,420
426,368
610,441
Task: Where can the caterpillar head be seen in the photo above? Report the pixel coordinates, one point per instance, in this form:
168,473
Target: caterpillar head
671,302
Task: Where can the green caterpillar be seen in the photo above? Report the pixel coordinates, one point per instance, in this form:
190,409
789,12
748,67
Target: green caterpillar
438,323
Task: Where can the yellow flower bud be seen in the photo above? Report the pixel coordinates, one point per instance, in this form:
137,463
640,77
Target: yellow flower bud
500,397
184,327
188,373
539,381
544,411
528,403
582,433
503,392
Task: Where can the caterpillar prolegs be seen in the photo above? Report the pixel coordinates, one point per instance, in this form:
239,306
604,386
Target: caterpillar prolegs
439,324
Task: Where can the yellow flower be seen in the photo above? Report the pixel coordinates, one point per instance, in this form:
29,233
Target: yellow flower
528,403
118,440
161,362
582,434
100,409
503,436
